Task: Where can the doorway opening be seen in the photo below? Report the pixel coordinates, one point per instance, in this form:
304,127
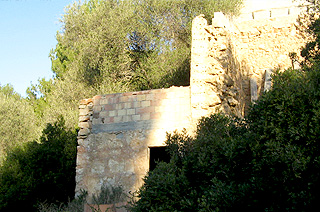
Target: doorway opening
158,154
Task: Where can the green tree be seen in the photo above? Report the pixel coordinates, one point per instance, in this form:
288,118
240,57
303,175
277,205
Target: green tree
40,171
118,46
135,44
18,120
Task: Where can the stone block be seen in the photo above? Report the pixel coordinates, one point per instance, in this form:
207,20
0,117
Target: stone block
126,118
253,89
136,104
112,113
131,111
136,117
81,149
85,125
114,100
145,116
84,132
145,103
117,119
150,96
122,112
82,106
278,12
80,142
264,14
128,105
145,110
123,99
84,118
109,107
110,120
267,82
96,101
83,112
141,98
104,114
104,101
119,106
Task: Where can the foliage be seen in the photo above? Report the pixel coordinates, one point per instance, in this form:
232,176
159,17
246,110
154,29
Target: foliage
268,162
39,171
118,46
18,120
134,44
309,25
109,195
75,205
207,173
311,53
285,122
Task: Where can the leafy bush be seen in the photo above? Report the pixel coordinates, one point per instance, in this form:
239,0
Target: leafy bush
285,122
267,162
40,171
207,173
75,205
18,121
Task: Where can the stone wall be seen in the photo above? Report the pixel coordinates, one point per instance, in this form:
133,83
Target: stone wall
230,53
231,63
117,131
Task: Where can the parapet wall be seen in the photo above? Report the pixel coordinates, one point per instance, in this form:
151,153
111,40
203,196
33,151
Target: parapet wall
233,56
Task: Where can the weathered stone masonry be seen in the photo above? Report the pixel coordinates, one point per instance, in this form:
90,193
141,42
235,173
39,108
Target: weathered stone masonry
230,63
117,129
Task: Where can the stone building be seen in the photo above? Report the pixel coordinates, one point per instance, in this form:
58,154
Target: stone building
231,62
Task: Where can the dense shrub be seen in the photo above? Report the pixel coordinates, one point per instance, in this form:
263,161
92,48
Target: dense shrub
209,172
40,171
286,124
268,162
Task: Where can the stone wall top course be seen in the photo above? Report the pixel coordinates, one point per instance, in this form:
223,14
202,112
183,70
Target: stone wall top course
159,104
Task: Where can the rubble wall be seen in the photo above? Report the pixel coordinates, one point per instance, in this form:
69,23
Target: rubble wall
232,52
117,131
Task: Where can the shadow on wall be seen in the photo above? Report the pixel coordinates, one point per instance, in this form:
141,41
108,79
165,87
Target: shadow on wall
236,80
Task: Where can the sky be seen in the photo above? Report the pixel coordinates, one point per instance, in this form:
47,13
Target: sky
27,34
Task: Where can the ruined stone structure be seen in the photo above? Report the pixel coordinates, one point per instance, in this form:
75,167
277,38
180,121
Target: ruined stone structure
231,63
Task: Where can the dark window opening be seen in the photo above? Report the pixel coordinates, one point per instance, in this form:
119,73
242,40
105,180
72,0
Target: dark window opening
158,154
